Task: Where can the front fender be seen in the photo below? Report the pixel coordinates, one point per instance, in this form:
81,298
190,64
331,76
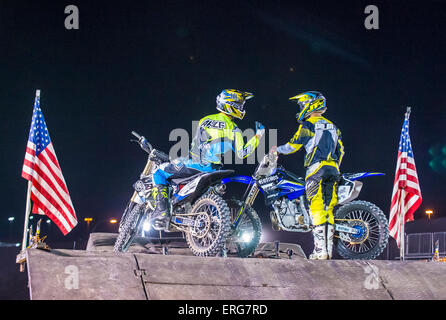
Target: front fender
239,179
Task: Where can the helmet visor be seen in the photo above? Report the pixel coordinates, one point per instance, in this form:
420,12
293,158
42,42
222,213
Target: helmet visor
237,105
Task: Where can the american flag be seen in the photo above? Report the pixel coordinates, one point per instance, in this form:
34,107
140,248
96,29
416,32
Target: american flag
406,195
49,191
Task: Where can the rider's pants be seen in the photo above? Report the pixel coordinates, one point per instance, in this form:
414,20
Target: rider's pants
178,169
321,184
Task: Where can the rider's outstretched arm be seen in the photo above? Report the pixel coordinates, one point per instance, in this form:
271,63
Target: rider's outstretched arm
300,138
241,150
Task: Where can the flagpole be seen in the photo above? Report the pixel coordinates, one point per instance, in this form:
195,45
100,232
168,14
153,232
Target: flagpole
27,213
402,210
402,218
28,203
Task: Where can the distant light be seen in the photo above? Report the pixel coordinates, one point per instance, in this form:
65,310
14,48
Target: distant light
88,219
429,213
291,69
17,244
48,221
30,218
113,221
11,219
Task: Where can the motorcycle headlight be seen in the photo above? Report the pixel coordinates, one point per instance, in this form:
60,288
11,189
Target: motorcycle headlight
139,186
247,236
147,226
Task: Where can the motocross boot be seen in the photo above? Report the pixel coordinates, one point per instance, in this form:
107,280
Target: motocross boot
330,235
320,243
160,216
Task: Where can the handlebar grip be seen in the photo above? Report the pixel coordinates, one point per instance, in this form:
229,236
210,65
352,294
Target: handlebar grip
136,135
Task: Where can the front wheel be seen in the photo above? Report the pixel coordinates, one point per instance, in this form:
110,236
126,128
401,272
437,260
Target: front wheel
207,236
373,233
128,227
246,237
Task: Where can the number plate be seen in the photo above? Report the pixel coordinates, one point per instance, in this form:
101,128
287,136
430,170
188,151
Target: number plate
269,182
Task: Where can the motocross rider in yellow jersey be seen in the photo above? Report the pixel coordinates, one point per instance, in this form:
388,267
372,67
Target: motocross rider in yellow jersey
324,151
216,134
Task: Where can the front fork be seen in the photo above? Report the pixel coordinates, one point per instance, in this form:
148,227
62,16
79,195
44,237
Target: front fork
248,202
147,170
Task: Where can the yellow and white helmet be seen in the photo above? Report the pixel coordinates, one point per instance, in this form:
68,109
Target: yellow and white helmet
231,102
309,102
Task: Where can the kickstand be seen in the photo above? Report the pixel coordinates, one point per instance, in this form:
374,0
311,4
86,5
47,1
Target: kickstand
224,252
277,243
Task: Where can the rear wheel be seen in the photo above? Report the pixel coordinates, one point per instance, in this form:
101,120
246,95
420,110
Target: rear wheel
129,226
373,233
211,225
244,240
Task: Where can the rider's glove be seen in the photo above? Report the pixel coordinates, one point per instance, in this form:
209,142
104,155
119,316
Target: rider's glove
260,129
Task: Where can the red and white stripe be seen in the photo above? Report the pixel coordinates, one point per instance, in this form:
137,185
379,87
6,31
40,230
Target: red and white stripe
49,191
406,195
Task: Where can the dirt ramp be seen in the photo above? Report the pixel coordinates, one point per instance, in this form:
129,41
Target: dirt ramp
284,279
82,275
411,280
71,274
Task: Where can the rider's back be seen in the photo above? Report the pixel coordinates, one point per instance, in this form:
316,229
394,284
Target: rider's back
321,139
217,134
324,144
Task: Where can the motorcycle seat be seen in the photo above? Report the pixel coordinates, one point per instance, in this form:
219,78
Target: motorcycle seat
295,177
186,180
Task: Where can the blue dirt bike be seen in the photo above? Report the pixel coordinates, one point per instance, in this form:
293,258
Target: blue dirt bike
361,228
196,206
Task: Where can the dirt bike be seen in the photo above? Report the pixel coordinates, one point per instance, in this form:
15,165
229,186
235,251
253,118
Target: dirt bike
361,228
196,205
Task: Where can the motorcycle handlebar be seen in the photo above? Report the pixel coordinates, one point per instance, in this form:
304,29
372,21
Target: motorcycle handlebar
145,145
266,166
136,135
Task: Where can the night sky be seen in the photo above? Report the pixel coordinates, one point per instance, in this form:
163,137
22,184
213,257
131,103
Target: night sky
153,66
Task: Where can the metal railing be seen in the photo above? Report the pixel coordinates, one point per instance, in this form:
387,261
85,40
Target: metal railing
422,245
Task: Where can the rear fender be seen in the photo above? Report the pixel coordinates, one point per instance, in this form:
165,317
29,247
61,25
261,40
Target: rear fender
197,187
361,175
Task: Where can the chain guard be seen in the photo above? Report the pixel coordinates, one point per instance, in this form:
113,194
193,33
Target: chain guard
192,229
